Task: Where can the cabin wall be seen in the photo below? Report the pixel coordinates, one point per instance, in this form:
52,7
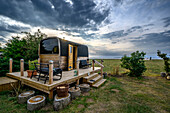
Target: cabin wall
59,61
83,58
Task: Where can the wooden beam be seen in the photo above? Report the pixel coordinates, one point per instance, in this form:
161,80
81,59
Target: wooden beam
77,81
10,65
38,60
75,58
101,71
22,67
78,71
50,72
102,68
93,65
51,94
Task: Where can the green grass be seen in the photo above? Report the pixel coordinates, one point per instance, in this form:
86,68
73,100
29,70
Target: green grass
154,67
144,95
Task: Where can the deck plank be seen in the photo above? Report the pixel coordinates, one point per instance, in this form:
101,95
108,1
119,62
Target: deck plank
68,77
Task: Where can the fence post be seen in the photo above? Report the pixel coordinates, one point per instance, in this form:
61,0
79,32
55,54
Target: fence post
78,66
117,70
101,71
93,65
22,67
10,65
38,60
50,72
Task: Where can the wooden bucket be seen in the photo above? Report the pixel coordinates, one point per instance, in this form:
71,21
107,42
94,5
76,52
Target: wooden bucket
62,90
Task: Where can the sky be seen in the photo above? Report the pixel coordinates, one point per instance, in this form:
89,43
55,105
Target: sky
110,28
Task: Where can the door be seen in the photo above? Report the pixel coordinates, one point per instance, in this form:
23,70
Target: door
70,57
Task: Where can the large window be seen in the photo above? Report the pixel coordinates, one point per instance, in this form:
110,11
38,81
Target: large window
49,46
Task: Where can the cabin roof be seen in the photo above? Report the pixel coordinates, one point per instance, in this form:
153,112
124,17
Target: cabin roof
82,49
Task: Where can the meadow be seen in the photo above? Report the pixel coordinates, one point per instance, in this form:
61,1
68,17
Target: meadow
122,94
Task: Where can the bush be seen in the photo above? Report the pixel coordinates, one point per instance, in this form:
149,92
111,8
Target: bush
166,59
135,63
20,48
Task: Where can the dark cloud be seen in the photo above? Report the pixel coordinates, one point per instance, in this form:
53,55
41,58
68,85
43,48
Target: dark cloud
114,34
166,21
41,13
153,41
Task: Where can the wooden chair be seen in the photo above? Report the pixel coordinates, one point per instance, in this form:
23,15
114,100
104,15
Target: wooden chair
43,69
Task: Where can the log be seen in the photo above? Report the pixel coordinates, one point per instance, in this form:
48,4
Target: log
35,102
74,92
23,97
61,102
84,87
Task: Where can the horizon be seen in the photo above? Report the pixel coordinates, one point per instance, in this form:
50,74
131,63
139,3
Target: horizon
110,28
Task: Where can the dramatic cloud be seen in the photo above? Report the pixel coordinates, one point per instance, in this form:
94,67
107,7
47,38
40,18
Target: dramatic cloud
111,28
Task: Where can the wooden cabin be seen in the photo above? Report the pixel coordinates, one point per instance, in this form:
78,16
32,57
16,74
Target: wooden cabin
64,53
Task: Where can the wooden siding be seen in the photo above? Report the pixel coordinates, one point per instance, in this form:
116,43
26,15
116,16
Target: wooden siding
6,82
59,61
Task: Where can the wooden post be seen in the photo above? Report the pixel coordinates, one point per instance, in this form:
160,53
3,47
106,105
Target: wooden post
101,71
102,68
101,61
93,65
51,94
50,72
22,67
10,65
38,60
117,70
78,67
77,81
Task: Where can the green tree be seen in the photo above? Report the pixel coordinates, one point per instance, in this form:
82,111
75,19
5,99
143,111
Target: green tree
21,48
166,61
135,63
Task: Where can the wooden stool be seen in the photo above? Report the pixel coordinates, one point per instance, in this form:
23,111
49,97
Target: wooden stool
61,102
35,102
84,87
74,92
23,97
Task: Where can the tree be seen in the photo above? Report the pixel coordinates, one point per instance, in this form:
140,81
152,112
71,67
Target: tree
24,48
135,63
166,61
21,48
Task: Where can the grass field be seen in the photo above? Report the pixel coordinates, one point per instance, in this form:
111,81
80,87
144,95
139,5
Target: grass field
118,95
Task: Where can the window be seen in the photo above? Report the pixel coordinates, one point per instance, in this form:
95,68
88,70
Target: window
49,46
70,49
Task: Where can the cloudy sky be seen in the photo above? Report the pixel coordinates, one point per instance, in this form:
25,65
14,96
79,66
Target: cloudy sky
110,28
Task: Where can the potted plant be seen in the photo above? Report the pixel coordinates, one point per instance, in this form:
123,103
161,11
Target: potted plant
31,68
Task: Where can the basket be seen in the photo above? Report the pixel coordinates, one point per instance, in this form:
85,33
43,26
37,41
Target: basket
62,90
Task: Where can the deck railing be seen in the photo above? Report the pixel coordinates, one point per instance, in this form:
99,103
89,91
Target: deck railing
100,64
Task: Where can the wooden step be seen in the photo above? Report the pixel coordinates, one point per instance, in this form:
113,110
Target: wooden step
91,76
99,83
94,80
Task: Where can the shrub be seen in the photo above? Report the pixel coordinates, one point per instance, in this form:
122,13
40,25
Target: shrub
135,63
166,59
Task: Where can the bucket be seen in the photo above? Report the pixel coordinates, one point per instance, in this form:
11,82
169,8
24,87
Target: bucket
62,90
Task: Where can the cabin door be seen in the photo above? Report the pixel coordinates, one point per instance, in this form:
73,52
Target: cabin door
70,57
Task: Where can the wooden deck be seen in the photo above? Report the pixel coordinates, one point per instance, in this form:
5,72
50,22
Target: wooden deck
5,83
68,77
